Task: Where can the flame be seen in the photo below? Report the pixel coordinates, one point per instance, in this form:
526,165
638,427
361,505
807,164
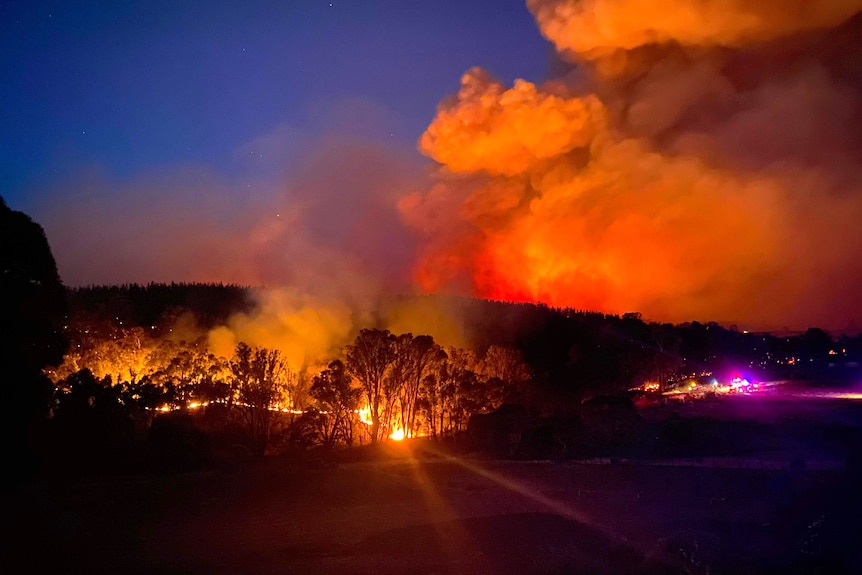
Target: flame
398,432
365,415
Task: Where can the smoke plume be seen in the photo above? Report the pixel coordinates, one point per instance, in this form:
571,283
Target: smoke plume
594,27
694,159
700,160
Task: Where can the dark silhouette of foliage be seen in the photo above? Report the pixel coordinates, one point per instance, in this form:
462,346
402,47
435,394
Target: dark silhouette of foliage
156,305
311,429
499,431
338,401
32,310
261,377
92,424
415,360
369,359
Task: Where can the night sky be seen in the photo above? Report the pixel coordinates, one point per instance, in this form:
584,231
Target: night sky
703,161
130,87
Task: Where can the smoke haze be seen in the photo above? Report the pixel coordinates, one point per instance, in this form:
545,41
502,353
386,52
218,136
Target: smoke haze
695,159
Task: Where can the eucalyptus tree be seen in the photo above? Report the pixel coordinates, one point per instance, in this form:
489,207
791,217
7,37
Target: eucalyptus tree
261,378
337,400
369,359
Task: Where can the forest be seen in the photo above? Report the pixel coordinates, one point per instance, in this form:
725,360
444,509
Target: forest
175,375
141,369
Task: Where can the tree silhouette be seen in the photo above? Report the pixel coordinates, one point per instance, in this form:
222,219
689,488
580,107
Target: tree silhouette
506,365
450,389
418,356
368,359
93,423
338,401
32,310
261,376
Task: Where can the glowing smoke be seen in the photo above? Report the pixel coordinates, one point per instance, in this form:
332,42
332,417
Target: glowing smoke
699,161
304,328
594,27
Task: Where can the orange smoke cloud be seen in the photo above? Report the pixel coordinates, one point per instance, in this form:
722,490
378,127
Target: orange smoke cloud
697,185
506,131
305,328
595,27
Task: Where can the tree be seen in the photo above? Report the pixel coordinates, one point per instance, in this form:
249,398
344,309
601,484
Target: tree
420,355
143,397
368,359
32,310
463,367
124,353
506,365
195,373
261,377
338,401
444,403
34,303
413,357
664,358
92,424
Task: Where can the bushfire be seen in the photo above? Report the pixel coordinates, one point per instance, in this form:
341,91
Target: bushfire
381,386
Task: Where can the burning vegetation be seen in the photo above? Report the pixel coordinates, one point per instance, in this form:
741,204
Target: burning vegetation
371,386
281,386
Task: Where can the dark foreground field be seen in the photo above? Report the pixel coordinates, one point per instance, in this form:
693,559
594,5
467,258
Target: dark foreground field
434,516
412,509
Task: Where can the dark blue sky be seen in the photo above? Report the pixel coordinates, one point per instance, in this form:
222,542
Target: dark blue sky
131,87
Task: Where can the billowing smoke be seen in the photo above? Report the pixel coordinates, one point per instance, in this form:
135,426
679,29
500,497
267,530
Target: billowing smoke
700,160
305,328
594,27
695,159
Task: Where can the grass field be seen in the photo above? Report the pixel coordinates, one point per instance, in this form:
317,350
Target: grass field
412,509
